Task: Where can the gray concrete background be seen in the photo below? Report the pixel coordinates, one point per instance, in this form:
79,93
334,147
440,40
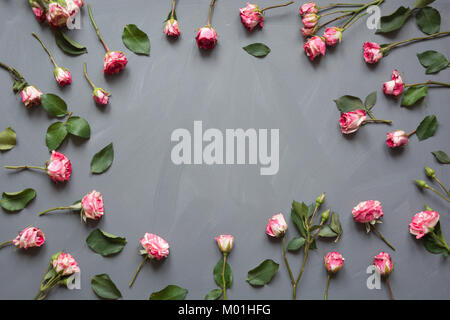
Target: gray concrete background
190,205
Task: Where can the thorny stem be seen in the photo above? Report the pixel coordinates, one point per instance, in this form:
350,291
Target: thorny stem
224,285
45,48
211,5
5,243
428,82
87,77
96,28
138,269
389,288
277,6
326,288
382,237
25,167
287,262
437,192
431,36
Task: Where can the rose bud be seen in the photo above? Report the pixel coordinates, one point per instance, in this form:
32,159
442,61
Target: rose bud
114,62
31,96
206,38
38,11
325,216
307,32
92,206
251,16
431,173
171,29
397,139
367,211
351,121
332,36
372,52
101,96
314,46
57,15
62,76
394,87
59,167
383,263
277,226
333,262
225,243
421,184
310,20
155,246
423,223
309,7
65,264
29,237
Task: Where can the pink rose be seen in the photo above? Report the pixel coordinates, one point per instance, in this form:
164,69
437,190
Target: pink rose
100,96
333,262
156,247
423,222
57,15
63,76
394,87
92,205
372,52
225,242
310,20
367,211
251,16
72,7
65,264
31,96
79,3
332,36
351,121
277,226
314,46
397,139
59,167
307,32
309,7
383,263
114,62
38,11
206,38
29,237
171,28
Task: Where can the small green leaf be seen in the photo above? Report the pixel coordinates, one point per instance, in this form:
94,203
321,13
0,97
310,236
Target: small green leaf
433,61
103,159
105,243
395,20
349,103
427,127
213,294
371,100
296,243
16,201
441,156
298,222
422,3
263,273
171,292
335,225
170,15
414,94
327,232
136,40
429,20
104,287
7,139
218,274
78,127
54,105
257,49
68,45
56,133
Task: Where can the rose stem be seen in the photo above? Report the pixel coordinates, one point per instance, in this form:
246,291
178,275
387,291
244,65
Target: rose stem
277,6
305,256
394,44
341,5
340,11
349,25
441,241
428,82
87,77
382,237
13,72
411,133
314,213
54,209
138,269
442,185
96,28
224,285
25,167
49,287
287,262
357,11
437,192
5,243
377,121
46,49
335,19
173,8
326,288
211,5
389,288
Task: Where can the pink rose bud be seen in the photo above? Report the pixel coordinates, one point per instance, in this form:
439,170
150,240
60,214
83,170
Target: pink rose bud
31,96
101,96
309,7
92,206
277,226
314,46
251,16
38,11
29,237
59,167
383,263
394,87
423,222
65,264
225,242
63,76
310,20
72,7
372,52
397,139
156,247
57,15
206,38
307,32
351,121
367,211
79,3
332,36
333,262
171,29
114,62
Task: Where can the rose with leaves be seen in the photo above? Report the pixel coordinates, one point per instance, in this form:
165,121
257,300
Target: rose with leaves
384,266
27,238
333,261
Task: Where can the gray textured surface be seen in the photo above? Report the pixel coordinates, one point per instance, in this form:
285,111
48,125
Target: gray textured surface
190,205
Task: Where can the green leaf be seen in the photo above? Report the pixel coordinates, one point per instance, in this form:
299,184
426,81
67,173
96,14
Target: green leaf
218,274
68,45
414,94
263,273
371,100
136,40
433,61
311,209
427,127
395,20
349,103
7,139
429,20
16,201
301,209
298,222
422,3
56,133
54,105
327,232
78,127
432,245
171,292
104,287
103,159
170,15
296,243
213,294
313,245
441,156
335,224
257,49
105,243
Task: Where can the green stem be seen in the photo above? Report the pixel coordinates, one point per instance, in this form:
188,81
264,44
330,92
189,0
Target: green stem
211,5
68,117
45,48
439,240
287,262
96,28
334,12
48,287
87,77
326,288
305,257
137,271
411,133
333,5
377,121
277,6
5,243
314,213
382,237
353,21
173,9
224,284
41,286
437,192
431,36
428,82
357,11
25,167
54,209
442,185
389,288
332,20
